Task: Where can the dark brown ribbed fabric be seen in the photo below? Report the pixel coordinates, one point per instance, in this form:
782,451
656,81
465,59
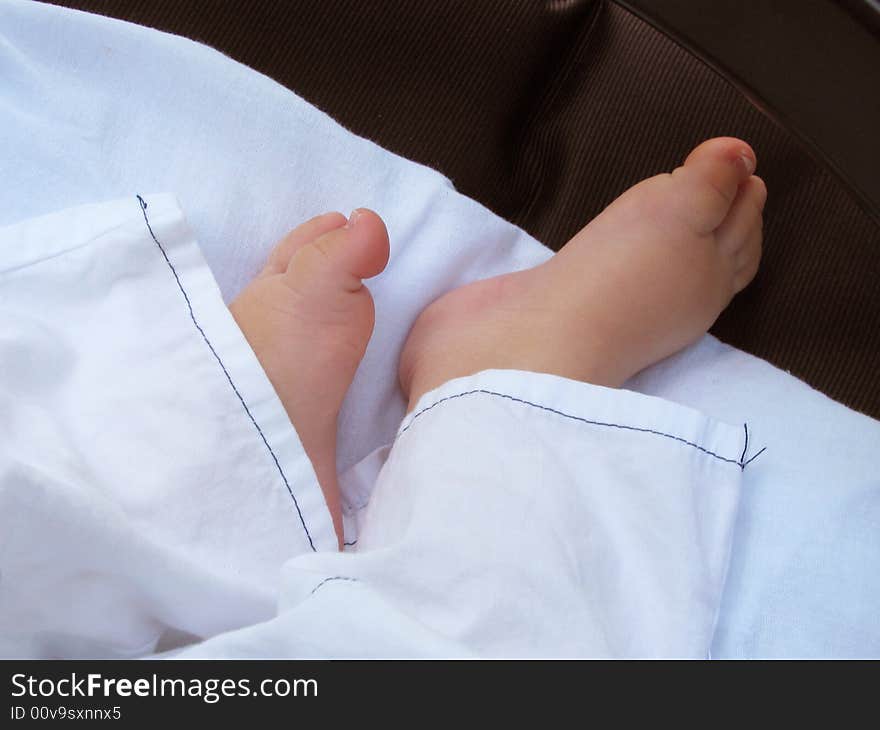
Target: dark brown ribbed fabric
545,112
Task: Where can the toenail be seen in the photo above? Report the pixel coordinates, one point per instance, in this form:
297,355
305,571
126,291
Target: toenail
352,219
748,161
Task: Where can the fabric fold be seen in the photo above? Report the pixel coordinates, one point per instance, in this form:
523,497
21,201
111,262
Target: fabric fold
522,514
148,472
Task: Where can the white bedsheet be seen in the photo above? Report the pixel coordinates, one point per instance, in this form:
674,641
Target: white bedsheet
93,109
153,492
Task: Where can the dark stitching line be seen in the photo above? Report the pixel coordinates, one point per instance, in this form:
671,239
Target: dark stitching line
327,580
576,418
754,457
192,316
744,464
353,542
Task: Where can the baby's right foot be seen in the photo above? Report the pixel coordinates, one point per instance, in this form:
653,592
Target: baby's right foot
644,279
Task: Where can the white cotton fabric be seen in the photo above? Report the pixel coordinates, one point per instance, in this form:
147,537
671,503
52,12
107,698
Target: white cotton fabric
93,109
151,478
528,515
137,494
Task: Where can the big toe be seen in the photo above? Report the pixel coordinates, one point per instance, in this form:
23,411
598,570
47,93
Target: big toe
342,256
710,178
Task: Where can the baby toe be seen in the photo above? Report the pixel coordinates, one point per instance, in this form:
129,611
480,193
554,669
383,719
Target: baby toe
368,247
748,260
740,235
342,257
302,235
711,177
743,217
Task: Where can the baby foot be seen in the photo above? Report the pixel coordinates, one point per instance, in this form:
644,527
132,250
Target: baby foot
645,278
308,317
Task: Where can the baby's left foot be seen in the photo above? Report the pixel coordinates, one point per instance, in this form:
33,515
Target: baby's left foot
308,318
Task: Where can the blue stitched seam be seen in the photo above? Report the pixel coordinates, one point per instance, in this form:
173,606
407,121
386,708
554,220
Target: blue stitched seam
335,577
247,410
740,463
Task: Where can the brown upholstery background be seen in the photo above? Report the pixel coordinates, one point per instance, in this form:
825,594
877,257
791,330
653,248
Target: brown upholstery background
546,111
